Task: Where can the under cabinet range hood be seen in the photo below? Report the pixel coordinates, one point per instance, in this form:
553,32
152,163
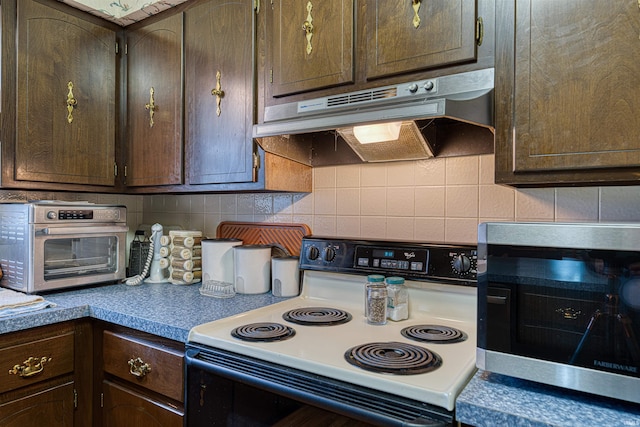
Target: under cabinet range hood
442,116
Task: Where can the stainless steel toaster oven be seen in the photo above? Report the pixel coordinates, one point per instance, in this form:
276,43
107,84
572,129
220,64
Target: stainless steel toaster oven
560,304
46,245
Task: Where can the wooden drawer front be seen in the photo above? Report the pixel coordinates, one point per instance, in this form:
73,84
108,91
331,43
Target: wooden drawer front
53,407
57,350
124,407
166,365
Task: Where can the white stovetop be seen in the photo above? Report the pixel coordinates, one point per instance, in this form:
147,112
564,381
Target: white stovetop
320,349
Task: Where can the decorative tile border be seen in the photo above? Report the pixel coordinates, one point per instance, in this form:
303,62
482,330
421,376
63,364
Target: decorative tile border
123,12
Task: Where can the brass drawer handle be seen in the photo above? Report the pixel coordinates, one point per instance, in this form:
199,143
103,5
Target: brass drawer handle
307,27
138,368
569,313
30,367
416,8
218,92
151,106
71,102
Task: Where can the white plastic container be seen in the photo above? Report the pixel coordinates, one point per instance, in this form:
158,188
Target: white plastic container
252,268
217,259
285,276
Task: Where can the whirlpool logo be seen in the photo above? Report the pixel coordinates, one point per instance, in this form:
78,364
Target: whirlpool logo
409,255
616,366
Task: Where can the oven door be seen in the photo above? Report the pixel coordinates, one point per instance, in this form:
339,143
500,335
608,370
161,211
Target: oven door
66,256
228,389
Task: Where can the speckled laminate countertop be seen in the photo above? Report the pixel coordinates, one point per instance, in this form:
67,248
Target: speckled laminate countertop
493,400
171,311
163,309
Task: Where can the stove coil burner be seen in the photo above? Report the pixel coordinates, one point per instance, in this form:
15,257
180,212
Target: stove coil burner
393,358
434,334
264,332
317,316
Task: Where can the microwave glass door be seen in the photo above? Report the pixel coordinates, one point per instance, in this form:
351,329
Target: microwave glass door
76,257
574,306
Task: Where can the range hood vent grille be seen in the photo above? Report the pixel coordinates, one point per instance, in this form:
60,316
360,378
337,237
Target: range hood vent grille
362,97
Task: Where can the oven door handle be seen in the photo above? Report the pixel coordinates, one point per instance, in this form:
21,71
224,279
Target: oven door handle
60,231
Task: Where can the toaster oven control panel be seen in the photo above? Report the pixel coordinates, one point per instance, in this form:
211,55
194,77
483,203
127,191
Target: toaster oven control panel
411,260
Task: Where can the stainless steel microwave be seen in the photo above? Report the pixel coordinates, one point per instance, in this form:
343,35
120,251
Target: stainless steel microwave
559,304
46,245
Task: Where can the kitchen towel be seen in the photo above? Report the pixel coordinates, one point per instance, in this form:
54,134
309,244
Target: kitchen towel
12,302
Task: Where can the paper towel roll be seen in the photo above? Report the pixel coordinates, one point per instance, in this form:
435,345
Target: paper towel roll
285,276
252,267
217,259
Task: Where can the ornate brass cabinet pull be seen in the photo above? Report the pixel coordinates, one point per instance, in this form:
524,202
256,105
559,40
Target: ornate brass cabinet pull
71,102
307,27
218,92
151,106
416,8
138,368
30,367
569,313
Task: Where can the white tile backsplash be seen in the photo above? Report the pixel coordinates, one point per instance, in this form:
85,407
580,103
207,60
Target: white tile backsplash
435,200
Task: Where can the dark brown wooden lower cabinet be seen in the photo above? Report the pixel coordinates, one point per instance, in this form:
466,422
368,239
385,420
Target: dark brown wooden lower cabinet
125,407
53,407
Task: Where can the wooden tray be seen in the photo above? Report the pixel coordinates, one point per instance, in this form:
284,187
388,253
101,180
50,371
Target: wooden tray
289,236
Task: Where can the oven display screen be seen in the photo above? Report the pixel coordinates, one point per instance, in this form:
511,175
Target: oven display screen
408,260
383,253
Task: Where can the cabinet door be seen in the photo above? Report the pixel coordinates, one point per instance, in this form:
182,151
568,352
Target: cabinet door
577,85
53,407
66,85
410,36
309,44
125,407
219,92
154,103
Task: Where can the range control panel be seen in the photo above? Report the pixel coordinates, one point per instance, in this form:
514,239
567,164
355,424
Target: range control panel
411,260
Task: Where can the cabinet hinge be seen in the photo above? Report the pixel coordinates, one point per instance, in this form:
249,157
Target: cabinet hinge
256,6
479,30
115,169
75,398
125,171
102,400
256,166
271,76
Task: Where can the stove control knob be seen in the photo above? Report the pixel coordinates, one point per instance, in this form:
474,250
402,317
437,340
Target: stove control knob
313,253
461,263
51,215
329,254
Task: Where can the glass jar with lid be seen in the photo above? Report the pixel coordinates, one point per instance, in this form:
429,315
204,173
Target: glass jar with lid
372,279
397,299
377,303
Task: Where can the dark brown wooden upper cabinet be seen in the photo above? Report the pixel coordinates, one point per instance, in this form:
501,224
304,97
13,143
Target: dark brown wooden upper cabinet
310,44
219,47
65,86
154,103
568,92
311,49
406,36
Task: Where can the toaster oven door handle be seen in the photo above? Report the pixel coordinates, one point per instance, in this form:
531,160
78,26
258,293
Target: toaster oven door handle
60,231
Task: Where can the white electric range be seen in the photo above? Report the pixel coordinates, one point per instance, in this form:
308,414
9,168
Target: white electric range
318,349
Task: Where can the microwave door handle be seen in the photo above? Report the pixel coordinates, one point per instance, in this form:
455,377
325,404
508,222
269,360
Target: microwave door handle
497,299
59,231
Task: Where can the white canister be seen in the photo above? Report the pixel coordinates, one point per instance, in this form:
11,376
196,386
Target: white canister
285,276
252,267
217,259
